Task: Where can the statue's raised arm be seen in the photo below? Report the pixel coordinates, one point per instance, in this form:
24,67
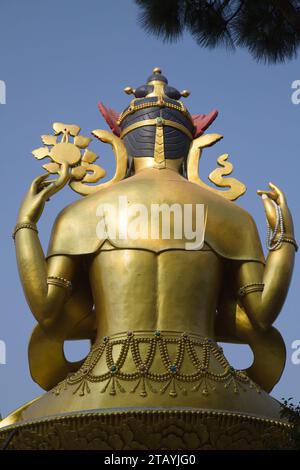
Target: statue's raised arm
263,289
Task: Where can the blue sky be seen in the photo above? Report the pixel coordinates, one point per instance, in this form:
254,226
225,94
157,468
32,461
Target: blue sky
58,60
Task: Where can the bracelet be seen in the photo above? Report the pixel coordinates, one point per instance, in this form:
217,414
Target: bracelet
59,281
292,241
284,239
248,288
275,237
24,225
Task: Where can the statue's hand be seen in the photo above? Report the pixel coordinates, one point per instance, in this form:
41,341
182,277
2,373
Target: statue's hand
276,195
39,192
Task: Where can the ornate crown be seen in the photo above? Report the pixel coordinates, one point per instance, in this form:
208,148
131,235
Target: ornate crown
156,92
156,123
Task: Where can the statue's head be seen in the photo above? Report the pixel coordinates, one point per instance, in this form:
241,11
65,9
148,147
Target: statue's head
156,121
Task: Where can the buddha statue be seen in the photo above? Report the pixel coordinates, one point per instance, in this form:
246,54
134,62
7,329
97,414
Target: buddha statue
153,305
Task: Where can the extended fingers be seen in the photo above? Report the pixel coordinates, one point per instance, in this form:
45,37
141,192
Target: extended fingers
268,203
45,184
56,185
270,194
36,182
279,193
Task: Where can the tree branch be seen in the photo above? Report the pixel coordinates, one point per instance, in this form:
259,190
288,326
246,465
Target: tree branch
236,12
290,13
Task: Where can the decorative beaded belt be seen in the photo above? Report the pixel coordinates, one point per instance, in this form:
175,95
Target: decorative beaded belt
145,359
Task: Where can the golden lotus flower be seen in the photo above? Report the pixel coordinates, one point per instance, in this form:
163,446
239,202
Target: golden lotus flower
69,153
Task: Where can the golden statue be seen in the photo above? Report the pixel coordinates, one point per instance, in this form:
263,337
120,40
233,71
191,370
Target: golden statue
153,307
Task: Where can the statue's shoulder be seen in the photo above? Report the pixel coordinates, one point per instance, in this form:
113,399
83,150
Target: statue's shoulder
221,209
229,212
231,231
74,230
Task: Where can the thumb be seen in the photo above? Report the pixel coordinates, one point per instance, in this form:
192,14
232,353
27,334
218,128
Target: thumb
270,209
267,202
59,183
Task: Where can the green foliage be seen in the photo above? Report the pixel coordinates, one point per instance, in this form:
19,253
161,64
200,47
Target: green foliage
269,29
291,413
289,438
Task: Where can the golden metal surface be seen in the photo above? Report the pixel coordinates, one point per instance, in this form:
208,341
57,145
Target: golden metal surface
79,169
236,188
156,70
158,91
140,163
67,161
129,90
154,122
159,146
121,165
131,363
135,107
185,93
151,307
230,233
149,429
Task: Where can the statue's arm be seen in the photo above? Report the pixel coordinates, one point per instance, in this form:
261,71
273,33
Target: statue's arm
263,306
45,294
45,300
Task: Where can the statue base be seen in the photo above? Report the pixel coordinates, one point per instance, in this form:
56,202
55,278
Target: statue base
147,429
